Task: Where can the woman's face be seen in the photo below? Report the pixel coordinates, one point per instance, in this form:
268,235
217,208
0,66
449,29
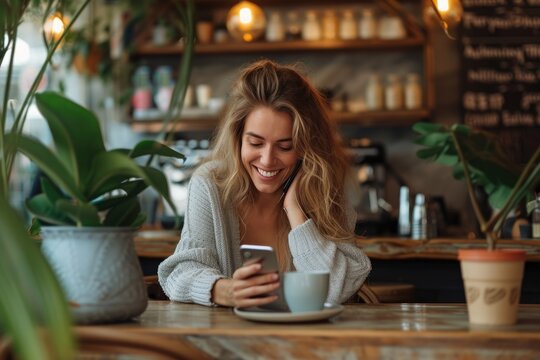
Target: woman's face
267,150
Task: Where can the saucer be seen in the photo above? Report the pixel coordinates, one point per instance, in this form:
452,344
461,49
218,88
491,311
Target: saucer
288,317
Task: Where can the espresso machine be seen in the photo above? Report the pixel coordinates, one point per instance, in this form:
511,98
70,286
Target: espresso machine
368,161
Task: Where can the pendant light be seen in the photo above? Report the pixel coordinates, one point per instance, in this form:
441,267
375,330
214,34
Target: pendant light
449,13
246,21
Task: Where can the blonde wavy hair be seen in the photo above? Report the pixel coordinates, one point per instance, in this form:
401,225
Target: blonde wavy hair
314,137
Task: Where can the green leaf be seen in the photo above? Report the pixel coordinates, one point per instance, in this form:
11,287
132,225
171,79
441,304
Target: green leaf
433,139
76,132
129,189
139,220
151,147
51,191
427,153
48,162
123,214
158,181
427,128
40,207
113,166
83,214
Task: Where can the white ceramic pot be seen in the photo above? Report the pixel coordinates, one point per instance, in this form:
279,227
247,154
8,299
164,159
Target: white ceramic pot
98,270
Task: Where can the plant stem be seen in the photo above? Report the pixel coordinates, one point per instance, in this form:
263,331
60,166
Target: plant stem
497,220
3,148
19,121
470,190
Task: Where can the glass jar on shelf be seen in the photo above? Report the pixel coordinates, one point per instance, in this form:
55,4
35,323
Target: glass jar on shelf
142,95
275,29
374,93
294,26
163,83
393,93
367,25
329,25
413,92
311,29
348,30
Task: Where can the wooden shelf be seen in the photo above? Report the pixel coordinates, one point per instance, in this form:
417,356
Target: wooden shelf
365,119
284,46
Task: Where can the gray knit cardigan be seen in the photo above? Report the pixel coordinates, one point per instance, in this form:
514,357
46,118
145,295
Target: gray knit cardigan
210,249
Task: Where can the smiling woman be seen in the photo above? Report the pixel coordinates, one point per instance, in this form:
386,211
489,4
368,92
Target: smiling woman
275,117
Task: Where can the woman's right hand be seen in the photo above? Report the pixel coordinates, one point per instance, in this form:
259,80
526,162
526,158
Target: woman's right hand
245,287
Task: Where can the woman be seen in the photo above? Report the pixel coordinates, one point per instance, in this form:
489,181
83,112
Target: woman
275,118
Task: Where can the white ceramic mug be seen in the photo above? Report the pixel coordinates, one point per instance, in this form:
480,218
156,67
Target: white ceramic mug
306,291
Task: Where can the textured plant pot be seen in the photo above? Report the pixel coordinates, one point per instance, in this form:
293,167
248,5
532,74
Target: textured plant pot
492,282
98,270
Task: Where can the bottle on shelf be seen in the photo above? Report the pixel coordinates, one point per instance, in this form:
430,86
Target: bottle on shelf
142,95
348,30
535,219
294,28
374,93
367,25
311,29
404,219
163,83
275,29
393,93
419,229
330,25
413,92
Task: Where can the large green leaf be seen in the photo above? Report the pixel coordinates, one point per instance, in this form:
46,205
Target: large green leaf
76,132
159,182
41,207
83,214
129,189
151,147
51,191
47,161
123,214
30,294
111,165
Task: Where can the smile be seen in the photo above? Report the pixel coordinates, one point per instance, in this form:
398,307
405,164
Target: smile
267,174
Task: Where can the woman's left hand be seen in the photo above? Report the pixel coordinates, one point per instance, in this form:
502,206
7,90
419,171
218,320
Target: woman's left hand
291,205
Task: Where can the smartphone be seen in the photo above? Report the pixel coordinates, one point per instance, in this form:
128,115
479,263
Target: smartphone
287,184
252,254
265,255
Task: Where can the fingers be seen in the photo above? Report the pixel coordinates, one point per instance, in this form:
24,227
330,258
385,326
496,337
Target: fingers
250,302
245,272
249,290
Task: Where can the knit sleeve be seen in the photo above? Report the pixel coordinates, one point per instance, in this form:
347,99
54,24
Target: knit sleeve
190,273
347,264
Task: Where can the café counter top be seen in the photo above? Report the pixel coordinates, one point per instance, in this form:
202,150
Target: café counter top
161,244
392,331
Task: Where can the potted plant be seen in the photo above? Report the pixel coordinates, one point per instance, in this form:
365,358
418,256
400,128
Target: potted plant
90,194
25,275
492,277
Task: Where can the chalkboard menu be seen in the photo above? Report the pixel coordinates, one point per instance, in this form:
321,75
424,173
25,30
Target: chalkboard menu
501,68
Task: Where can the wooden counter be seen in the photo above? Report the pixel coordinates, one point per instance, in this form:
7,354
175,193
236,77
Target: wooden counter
389,331
161,244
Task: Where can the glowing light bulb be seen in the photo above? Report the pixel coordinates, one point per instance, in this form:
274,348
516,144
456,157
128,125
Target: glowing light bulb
246,16
246,21
54,27
449,13
442,5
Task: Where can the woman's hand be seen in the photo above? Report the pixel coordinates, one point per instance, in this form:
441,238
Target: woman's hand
242,289
295,214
